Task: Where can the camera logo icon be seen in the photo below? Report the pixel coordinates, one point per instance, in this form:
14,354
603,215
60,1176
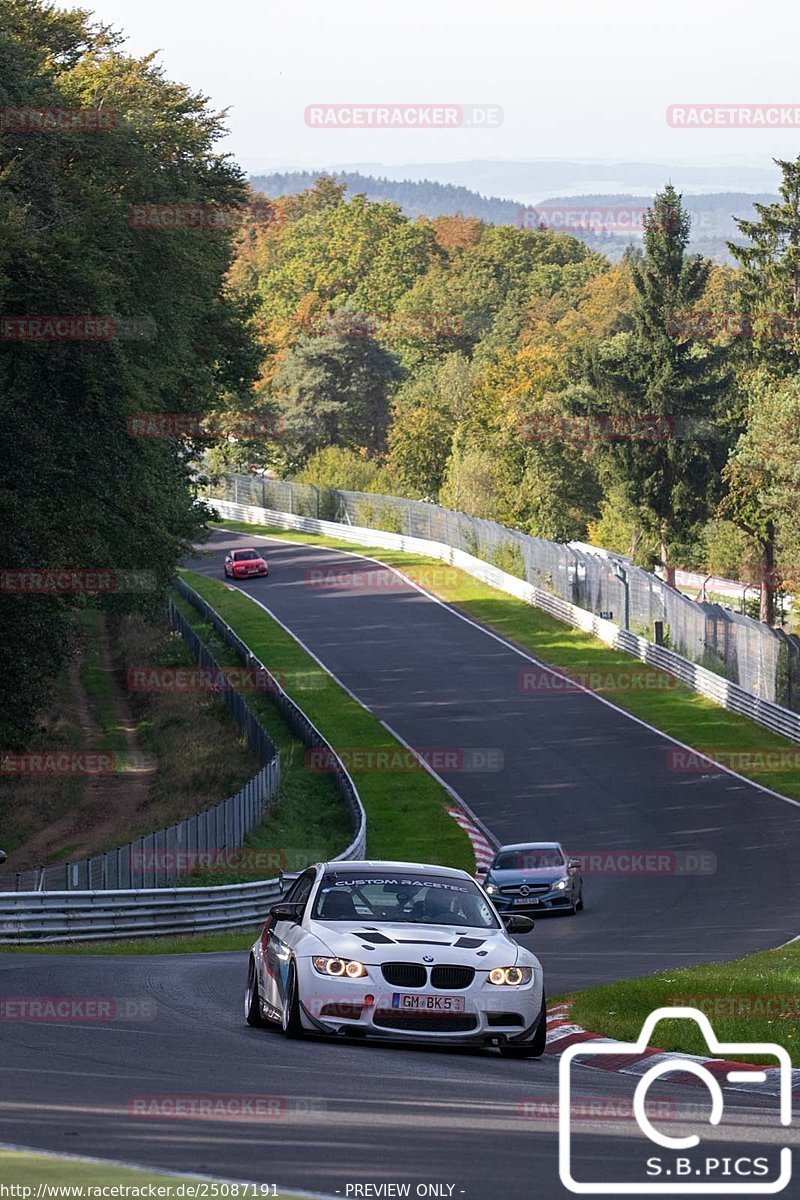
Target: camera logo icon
678,1171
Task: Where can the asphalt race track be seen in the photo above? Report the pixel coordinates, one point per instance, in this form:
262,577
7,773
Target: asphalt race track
347,1114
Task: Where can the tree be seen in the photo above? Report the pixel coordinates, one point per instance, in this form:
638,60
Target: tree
769,285
428,408
656,395
77,489
334,391
769,293
335,467
763,476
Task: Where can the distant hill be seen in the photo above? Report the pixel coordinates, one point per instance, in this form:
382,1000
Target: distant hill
424,197
712,213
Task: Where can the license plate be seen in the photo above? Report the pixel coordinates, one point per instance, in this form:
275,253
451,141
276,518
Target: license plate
527,900
407,1002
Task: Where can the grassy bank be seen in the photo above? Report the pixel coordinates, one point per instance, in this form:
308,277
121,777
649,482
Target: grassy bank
643,691
308,820
406,808
754,999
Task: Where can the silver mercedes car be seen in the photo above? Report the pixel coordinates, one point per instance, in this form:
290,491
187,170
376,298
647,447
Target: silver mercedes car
534,877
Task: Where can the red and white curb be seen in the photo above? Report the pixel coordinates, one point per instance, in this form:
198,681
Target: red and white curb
561,1033
483,849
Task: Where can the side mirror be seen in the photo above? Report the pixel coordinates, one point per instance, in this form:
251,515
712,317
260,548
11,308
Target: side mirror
3,856
517,923
287,912
574,864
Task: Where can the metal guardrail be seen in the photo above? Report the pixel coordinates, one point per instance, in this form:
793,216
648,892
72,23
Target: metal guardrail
707,683
760,659
110,914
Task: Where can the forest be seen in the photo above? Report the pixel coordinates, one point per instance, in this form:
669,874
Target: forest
650,405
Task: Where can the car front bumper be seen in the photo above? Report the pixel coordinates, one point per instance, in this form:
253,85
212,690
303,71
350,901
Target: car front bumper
490,1014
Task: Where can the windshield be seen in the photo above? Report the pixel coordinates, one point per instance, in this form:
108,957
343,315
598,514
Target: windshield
532,859
416,898
243,555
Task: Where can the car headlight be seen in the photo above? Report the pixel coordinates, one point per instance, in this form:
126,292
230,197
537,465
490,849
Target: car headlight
340,968
491,889
510,976
561,884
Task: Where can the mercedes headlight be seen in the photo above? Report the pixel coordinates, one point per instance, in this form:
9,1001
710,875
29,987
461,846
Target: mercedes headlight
510,976
491,889
561,884
339,968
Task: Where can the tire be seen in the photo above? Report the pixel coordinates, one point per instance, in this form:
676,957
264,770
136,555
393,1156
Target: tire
535,1047
252,999
290,1017
579,905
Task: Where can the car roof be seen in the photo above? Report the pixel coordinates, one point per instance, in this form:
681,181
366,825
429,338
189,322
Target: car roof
531,846
384,865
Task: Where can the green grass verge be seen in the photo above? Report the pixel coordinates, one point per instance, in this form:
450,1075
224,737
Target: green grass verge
652,695
22,1169
406,809
765,985
308,820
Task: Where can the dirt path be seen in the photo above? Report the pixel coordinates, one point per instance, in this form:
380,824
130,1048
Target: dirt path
108,804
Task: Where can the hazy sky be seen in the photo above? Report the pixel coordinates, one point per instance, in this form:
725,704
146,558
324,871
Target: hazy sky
574,78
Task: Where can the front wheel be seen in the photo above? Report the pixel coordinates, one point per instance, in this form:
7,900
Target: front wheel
290,1017
252,999
535,1047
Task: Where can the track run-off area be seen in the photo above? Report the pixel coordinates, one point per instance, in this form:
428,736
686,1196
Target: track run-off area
574,769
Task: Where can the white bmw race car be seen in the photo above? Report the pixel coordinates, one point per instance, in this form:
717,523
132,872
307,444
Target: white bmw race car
396,951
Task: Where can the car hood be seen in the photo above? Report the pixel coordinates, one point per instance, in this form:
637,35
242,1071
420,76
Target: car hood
539,875
447,944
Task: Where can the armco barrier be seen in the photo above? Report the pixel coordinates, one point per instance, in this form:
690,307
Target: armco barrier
62,916
730,695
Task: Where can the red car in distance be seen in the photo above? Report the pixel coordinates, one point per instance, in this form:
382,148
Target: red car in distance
242,564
